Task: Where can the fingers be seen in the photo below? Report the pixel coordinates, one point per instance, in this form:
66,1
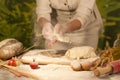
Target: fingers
58,29
51,43
53,34
47,31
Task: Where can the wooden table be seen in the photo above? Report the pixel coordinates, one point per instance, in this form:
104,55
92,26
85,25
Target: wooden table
56,72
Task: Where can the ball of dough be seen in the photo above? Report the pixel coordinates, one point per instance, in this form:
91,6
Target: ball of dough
86,65
75,65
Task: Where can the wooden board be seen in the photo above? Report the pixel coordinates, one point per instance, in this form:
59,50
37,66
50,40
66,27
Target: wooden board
64,72
45,57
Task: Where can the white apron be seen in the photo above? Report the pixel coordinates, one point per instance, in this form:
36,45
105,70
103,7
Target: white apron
66,10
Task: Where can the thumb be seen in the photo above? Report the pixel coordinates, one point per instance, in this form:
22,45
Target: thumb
57,28
51,43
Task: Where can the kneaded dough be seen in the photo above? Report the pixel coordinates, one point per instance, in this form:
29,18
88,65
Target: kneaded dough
82,52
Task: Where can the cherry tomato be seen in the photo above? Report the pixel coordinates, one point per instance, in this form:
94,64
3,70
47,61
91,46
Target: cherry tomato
34,65
12,62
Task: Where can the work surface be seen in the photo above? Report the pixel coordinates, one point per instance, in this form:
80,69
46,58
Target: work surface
56,72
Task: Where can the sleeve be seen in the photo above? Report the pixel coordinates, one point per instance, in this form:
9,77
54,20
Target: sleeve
43,9
84,10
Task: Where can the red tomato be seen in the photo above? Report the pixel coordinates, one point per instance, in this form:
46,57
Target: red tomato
34,65
12,62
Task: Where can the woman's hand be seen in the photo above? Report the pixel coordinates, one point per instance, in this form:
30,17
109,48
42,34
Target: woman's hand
60,29
47,31
48,34
68,27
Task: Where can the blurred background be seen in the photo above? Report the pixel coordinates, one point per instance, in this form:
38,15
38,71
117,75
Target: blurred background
17,18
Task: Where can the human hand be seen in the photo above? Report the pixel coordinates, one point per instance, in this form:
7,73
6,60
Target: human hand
59,31
47,31
48,34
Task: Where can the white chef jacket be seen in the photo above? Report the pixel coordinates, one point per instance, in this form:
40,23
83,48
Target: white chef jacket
64,11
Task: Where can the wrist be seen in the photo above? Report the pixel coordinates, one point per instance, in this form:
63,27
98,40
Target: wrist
42,22
47,24
60,28
73,25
